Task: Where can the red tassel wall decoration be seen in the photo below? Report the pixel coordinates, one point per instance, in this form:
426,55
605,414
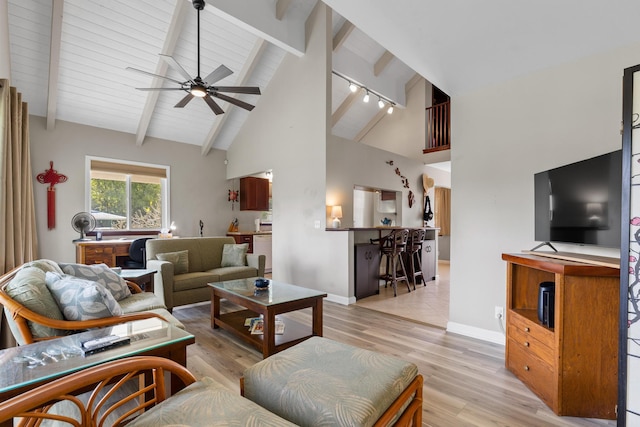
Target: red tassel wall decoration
51,177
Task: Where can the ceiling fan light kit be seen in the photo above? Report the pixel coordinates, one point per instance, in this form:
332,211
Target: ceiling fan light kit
199,87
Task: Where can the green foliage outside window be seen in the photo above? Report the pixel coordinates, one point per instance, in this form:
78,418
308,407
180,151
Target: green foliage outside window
109,196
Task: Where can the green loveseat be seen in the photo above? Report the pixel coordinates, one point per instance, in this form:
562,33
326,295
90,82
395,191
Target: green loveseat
184,266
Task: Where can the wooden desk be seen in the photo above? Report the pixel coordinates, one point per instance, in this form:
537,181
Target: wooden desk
110,252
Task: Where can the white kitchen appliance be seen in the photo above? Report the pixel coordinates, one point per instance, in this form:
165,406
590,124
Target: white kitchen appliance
262,246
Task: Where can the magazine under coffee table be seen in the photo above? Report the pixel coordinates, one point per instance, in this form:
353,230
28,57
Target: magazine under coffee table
278,298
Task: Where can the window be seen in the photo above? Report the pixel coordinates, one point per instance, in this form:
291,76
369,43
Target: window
128,196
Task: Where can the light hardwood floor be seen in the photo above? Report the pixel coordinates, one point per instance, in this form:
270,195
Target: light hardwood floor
427,304
465,382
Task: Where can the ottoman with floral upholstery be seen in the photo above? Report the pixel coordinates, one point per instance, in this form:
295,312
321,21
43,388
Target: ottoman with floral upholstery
324,382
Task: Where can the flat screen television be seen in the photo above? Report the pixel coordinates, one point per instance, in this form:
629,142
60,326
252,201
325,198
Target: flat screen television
580,203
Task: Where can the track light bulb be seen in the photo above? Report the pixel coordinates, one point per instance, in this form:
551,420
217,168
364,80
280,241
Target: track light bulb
380,103
353,87
366,97
390,110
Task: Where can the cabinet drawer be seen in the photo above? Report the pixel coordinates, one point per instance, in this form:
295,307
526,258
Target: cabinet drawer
98,251
531,329
531,343
538,375
99,259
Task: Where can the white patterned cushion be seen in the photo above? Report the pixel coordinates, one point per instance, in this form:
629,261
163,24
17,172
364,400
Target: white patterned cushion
102,274
81,299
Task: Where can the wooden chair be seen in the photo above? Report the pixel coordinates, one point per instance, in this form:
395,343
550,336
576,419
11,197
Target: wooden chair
393,246
108,387
22,315
414,249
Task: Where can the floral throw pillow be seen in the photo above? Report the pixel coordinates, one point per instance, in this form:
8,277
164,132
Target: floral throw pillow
234,255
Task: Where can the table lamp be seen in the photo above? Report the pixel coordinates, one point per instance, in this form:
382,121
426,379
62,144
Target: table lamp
336,214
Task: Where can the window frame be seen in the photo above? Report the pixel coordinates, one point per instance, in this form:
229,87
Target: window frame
165,190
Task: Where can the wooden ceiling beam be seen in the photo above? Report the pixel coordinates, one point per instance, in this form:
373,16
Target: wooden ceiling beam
242,78
281,8
342,34
382,62
374,121
170,41
411,83
54,62
345,106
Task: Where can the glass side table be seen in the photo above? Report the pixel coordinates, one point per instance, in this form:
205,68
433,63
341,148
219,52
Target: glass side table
28,366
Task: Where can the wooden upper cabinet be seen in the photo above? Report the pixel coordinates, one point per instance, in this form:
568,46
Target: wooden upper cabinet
254,194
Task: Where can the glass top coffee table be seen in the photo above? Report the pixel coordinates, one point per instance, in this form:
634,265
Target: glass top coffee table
28,366
278,298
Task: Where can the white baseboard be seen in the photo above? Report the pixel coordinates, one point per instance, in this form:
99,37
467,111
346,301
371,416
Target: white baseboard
478,333
341,300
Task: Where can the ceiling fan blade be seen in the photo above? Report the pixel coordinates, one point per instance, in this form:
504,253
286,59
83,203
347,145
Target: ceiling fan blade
154,75
184,101
252,90
173,63
233,101
213,104
159,88
218,74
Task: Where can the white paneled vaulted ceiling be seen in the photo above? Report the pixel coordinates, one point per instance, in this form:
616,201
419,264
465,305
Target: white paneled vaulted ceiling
94,41
459,45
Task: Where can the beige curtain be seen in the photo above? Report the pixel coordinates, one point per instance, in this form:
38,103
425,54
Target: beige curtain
18,240
442,210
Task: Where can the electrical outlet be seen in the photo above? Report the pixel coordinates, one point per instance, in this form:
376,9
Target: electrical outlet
316,223
499,312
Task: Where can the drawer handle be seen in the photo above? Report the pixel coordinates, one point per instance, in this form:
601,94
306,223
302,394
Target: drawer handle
526,368
526,329
526,343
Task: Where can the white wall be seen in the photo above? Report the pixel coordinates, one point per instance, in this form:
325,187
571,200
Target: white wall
350,163
403,132
504,134
198,184
287,132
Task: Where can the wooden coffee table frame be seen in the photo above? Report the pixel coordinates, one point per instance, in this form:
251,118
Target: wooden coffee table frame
294,333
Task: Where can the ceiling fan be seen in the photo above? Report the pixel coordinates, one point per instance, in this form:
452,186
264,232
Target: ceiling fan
202,87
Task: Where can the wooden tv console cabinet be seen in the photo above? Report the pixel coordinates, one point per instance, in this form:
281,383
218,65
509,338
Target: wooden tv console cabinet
573,367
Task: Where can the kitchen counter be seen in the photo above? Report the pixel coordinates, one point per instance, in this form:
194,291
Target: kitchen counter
247,233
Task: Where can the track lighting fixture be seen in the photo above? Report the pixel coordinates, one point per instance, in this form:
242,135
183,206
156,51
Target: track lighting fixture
354,87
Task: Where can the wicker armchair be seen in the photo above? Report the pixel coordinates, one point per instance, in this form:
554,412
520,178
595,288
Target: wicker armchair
22,315
109,394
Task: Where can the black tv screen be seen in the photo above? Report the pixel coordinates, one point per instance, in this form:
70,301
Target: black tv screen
580,202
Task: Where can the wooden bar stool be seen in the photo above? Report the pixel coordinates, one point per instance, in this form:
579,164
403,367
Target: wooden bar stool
393,246
414,249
